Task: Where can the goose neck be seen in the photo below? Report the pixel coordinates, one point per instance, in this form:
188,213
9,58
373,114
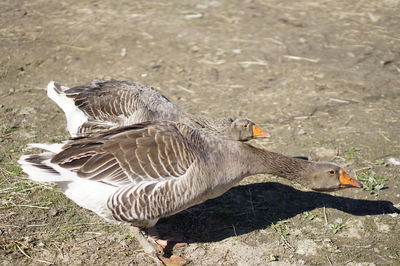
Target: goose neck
266,162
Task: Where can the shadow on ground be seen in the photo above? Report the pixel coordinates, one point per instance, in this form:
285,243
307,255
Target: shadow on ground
252,207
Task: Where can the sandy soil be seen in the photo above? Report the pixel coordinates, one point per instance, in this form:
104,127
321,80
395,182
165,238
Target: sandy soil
322,76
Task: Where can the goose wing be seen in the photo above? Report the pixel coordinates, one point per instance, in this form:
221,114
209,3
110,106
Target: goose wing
131,154
116,102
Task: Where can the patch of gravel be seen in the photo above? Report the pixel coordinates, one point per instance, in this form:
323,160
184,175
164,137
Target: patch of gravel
232,251
355,229
361,264
307,247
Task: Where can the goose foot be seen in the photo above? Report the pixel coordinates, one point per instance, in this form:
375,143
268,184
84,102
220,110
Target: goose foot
173,260
148,247
159,249
166,246
167,243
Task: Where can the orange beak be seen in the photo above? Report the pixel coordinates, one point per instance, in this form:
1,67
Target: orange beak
346,181
259,133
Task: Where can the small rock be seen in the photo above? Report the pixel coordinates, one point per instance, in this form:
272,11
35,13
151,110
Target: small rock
387,59
27,110
53,212
374,18
156,66
301,132
194,15
123,52
200,252
272,257
384,228
94,256
28,239
40,244
195,49
393,161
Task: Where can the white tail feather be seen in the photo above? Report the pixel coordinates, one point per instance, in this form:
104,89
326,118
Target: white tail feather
41,174
75,117
88,194
91,195
56,147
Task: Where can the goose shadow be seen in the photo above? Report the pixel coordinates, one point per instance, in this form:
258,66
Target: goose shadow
246,208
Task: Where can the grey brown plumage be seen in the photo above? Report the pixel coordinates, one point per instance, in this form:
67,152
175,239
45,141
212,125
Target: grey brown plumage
103,105
140,173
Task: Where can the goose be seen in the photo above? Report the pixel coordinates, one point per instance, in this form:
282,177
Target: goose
103,105
140,173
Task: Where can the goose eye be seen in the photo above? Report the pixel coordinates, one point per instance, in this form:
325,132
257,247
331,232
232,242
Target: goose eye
246,126
332,172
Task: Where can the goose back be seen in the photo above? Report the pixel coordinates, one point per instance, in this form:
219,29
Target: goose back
121,103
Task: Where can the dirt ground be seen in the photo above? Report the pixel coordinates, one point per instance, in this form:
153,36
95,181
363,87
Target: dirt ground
323,77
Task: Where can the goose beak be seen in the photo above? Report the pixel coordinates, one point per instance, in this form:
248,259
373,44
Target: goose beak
346,181
259,133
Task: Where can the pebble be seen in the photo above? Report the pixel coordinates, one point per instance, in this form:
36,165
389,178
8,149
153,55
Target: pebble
94,256
28,239
301,132
123,52
195,49
373,17
27,110
194,16
53,212
384,228
393,161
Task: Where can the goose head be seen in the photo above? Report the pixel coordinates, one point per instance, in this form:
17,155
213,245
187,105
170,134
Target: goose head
243,129
323,176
